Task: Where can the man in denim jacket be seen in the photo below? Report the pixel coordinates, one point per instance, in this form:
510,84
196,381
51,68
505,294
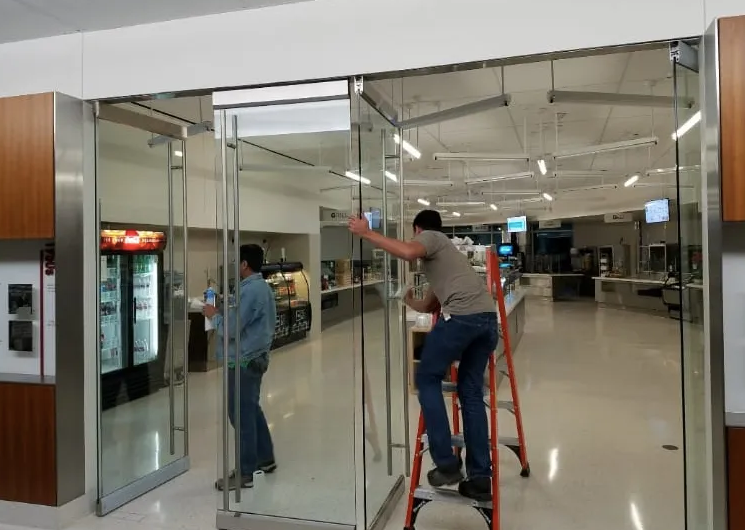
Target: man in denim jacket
256,316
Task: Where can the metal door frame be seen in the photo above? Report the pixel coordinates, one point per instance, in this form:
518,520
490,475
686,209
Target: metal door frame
106,503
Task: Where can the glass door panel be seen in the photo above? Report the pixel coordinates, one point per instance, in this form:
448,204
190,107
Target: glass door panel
689,197
308,393
142,438
379,199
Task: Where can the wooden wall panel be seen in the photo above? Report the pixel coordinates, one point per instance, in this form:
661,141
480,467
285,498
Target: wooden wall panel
28,464
27,167
732,116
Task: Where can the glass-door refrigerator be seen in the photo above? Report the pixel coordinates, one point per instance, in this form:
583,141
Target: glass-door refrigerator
132,315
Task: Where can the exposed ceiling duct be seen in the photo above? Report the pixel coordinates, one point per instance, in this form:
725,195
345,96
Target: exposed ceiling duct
614,99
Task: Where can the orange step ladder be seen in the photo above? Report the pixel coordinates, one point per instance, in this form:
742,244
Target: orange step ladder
419,495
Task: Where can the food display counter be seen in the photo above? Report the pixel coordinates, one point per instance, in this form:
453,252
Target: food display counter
651,293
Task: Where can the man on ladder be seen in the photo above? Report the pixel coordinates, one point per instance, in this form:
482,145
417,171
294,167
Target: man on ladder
466,332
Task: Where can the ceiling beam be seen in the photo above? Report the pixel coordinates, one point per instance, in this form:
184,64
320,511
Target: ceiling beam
614,99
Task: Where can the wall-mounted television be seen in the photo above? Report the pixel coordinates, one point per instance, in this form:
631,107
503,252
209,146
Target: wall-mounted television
517,224
657,211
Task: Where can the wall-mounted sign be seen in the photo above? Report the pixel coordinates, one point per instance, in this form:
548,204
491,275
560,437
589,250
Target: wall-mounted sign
550,223
335,215
623,217
479,228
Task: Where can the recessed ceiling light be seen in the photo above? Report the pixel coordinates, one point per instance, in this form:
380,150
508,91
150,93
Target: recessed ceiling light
178,153
423,202
493,207
631,181
456,214
547,196
391,176
542,166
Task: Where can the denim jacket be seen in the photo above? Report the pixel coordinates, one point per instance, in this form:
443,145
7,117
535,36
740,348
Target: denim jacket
257,318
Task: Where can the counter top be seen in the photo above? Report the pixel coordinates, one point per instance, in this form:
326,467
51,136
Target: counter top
552,275
647,281
26,379
353,286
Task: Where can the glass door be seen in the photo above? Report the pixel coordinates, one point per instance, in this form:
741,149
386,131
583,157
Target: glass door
142,424
378,159
688,183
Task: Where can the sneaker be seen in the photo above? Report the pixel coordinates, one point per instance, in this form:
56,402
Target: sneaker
268,467
246,482
477,488
439,477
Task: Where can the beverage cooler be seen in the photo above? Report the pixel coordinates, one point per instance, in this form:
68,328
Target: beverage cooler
133,327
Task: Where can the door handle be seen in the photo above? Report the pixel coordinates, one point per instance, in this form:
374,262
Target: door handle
134,309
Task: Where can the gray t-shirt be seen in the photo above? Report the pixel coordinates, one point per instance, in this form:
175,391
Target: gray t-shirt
460,290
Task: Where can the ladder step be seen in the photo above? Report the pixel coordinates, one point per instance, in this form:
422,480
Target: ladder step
451,496
458,441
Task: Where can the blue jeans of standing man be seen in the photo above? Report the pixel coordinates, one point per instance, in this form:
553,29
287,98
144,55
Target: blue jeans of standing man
470,339
256,441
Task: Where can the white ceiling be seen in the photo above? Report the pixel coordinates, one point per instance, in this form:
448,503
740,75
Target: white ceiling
500,130
31,19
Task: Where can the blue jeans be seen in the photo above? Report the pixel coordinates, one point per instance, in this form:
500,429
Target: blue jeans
470,339
256,441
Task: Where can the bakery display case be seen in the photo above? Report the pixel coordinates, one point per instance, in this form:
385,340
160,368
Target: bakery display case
289,282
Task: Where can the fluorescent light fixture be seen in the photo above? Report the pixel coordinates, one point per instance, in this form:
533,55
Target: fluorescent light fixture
391,176
356,177
462,203
631,181
493,207
671,170
511,192
423,202
547,196
687,126
610,98
442,211
637,143
542,166
589,188
480,157
413,151
456,214
580,173
272,168
429,183
498,178
178,153
659,185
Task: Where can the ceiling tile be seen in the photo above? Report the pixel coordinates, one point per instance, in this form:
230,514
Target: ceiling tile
22,22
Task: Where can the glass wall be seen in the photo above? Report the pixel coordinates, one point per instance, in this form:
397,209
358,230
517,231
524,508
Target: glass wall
689,197
142,318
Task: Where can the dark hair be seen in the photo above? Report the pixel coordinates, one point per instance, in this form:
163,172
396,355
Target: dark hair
428,220
253,255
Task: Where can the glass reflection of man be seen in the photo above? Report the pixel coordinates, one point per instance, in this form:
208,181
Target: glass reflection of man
467,332
257,314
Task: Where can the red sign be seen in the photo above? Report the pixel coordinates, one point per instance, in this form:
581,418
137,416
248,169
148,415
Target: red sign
132,240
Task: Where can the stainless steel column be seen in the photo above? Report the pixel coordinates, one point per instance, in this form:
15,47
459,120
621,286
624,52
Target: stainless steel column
226,323
237,294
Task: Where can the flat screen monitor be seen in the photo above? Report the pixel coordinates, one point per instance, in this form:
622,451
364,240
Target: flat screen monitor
517,224
657,211
373,218
506,250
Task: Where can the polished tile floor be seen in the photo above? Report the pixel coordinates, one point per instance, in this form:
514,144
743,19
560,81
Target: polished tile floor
600,391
